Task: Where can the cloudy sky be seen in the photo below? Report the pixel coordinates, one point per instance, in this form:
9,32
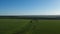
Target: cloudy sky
29,7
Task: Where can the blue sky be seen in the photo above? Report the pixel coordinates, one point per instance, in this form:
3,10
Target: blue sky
29,7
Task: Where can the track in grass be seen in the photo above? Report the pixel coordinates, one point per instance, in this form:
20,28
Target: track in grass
22,26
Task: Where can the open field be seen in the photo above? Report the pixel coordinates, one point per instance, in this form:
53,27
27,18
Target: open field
23,26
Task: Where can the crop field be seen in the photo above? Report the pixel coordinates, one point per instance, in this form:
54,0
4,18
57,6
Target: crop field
24,26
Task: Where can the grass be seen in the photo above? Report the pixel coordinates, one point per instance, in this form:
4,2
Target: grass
23,26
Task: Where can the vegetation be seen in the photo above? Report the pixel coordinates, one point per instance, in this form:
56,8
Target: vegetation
24,26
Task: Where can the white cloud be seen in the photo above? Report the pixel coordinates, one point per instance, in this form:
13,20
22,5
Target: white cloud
36,12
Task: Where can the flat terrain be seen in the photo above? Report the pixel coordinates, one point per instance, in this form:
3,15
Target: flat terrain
24,26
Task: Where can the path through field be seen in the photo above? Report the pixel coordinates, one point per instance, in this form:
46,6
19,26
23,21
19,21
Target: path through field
30,28
43,27
22,26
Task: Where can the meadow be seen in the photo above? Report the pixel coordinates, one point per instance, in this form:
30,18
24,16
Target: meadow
24,26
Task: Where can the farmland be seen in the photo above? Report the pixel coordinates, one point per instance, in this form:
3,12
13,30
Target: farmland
23,26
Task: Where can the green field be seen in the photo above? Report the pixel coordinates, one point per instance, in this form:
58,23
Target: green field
23,26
